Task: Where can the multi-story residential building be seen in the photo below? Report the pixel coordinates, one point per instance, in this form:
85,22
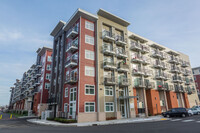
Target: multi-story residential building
196,75
102,71
31,93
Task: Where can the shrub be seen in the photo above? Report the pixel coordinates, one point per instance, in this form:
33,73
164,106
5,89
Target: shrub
62,120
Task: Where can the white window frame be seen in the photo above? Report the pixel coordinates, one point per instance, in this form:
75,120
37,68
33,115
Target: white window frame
65,107
91,53
109,91
88,37
109,105
49,75
48,85
89,25
88,105
48,66
66,91
49,58
89,93
87,69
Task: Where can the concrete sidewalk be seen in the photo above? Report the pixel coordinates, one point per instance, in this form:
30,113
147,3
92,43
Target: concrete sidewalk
110,122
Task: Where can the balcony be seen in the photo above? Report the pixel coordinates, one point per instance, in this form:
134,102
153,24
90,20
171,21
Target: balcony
135,46
163,65
179,89
108,50
72,46
121,53
138,83
73,32
173,60
166,76
187,81
71,79
175,70
171,88
185,64
110,81
38,65
145,60
109,65
148,72
145,49
175,79
149,85
72,61
160,86
108,36
186,72
136,58
124,81
120,40
157,54
157,64
122,67
159,76
138,71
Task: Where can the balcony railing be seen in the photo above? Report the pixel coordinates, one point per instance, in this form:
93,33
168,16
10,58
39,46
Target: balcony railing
110,80
187,81
148,84
72,61
174,60
157,54
72,79
145,49
120,40
138,83
159,75
108,36
72,46
135,46
148,72
72,32
123,67
161,86
175,70
108,50
136,58
166,76
124,81
145,60
109,65
186,72
121,53
138,71
185,64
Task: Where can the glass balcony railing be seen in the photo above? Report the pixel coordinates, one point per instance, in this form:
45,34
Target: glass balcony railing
136,46
110,80
109,65
138,83
120,40
72,32
108,36
108,50
124,81
72,46
123,67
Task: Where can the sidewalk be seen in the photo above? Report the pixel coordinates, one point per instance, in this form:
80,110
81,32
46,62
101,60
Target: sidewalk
110,122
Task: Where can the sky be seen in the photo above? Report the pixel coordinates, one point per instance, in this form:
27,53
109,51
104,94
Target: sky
26,25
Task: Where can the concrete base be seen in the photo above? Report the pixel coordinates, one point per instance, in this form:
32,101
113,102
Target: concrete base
87,117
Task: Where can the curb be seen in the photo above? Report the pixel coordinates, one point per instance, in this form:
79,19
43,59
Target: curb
50,123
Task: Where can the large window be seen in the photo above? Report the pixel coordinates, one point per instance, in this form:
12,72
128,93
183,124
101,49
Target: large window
48,76
65,107
89,39
108,91
66,92
109,106
89,54
89,25
49,58
73,94
89,89
48,67
47,85
89,107
89,71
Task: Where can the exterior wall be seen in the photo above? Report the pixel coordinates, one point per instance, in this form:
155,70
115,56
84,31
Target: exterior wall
87,117
153,102
186,102
172,100
36,101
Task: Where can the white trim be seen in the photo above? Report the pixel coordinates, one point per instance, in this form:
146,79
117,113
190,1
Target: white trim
67,90
90,24
89,37
105,106
85,107
64,107
89,85
109,91
89,53
87,74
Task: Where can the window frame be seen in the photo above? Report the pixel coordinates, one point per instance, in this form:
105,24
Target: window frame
89,23
109,106
88,74
88,38
64,107
109,91
89,51
67,92
89,93
89,106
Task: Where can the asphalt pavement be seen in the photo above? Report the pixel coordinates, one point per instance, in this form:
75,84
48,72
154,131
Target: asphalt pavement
175,125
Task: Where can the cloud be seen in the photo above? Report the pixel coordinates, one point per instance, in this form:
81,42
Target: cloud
10,35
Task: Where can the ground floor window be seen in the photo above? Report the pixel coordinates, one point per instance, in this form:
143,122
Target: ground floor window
65,107
109,106
89,107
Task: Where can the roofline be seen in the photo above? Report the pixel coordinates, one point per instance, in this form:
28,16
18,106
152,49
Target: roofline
123,22
57,28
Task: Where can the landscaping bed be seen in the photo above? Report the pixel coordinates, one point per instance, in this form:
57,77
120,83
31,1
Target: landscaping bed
62,120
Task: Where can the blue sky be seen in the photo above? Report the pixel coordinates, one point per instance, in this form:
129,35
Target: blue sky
25,26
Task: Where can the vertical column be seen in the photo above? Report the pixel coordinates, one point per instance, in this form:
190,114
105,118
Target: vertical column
165,97
145,102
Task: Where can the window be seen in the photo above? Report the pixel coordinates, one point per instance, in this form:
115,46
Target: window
66,92
90,107
48,67
109,107
89,89
89,25
194,77
89,54
65,107
89,39
108,91
48,76
89,71
47,85
49,58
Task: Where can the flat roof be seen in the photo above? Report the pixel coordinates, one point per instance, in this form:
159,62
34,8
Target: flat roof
57,28
137,37
42,50
112,17
154,45
172,52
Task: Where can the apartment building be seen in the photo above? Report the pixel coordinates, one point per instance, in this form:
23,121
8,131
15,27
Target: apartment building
196,75
102,71
31,92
